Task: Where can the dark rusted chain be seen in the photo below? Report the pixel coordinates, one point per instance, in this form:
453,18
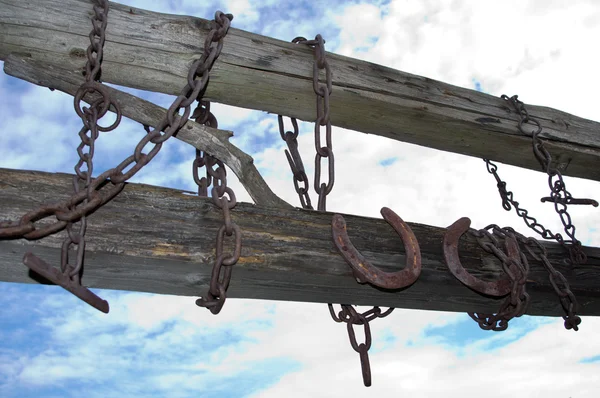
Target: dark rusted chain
323,92
516,268
301,184
69,275
558,191
202,115
559,283
109,184
224,197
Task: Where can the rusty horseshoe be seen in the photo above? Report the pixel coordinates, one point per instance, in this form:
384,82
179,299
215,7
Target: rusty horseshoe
363,270
498,288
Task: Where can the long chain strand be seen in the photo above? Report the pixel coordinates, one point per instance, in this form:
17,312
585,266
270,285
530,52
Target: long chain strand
225,199
323,91
558,190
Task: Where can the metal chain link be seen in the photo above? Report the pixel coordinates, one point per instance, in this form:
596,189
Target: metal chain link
323,91
351,317
489,242
559,283
202,115
85,166
558,191
108,184
69,276
224,198
515,266
222,268
295,161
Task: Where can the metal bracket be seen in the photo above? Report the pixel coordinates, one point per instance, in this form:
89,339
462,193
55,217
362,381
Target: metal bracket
73,284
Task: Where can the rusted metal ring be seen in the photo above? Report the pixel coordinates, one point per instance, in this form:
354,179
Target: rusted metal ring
497,288
365,271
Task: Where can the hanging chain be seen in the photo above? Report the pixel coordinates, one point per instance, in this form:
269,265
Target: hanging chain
202,115
323,91
295,160
351,317
516,303
516,267
222,268
557,280
558,191
224,198
108,184
89,116
69,276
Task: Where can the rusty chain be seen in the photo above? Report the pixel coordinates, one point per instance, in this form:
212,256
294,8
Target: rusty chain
84,189
84,168
323,91
295,161
222,268
351,317
558,191
202,115
517,269
109,184
224,198
90,194
557,280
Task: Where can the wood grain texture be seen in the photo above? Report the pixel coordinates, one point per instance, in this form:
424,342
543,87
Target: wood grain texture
160,240
153,51
213,141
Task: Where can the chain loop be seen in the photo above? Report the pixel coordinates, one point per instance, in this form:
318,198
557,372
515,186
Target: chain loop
224,198
323,92
517,269
558,191
108,184
515,265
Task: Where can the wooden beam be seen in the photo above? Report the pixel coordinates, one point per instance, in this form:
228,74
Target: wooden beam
160,240
214,141
153,51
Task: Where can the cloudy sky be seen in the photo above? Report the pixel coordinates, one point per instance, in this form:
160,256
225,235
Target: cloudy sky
53,345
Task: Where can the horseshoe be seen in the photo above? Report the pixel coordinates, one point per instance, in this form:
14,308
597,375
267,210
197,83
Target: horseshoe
498,288
363,270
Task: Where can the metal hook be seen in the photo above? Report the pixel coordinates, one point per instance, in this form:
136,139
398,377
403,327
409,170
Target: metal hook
363,270
72,284
497,288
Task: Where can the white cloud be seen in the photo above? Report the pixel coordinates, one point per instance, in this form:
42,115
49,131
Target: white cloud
539,50
166,343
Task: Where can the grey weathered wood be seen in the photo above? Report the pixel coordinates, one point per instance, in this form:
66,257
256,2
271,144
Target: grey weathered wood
214,141
153,51
160,240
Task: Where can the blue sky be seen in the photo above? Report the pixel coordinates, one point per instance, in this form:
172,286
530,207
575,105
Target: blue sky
52,345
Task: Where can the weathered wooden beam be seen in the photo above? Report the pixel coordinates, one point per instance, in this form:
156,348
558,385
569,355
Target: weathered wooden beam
214,141
153,51
160,240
